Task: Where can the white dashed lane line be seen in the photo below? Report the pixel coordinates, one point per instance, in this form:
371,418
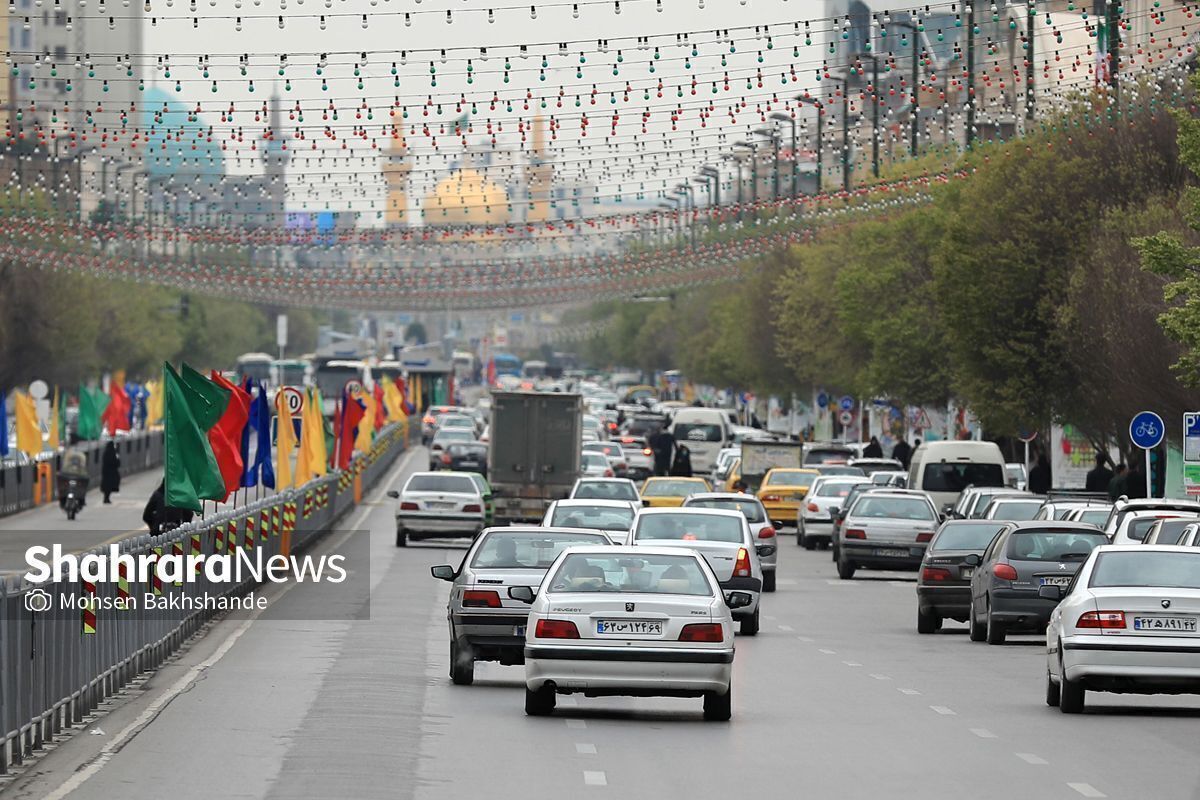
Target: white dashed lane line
1087,790
983,733
908,691
786,628
944,711
585,749
1030,758
576,723
827,652
594,778
852,663
803,639
879,677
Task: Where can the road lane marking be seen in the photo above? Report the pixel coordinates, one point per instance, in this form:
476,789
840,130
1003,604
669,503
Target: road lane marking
803,639
840,582
585,749
902,584
827,652
594,778
983,733
576,723
879,677
945,711
1087,790
908,691
1030,758
786,628
852,663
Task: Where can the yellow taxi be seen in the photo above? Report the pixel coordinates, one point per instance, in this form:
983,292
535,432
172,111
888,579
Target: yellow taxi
668,492
734,476
782,490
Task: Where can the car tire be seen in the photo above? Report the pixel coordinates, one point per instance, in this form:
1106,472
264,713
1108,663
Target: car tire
835,553
976,630
769,581
845,569
462,665
718,707
749,625
401,537
1071,695
995,631
927,623
541,702
807,542
1051,691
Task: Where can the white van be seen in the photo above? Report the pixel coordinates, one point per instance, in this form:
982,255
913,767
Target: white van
944,469
704,431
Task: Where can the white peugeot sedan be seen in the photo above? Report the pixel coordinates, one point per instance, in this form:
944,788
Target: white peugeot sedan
1129,623
634,621
814,520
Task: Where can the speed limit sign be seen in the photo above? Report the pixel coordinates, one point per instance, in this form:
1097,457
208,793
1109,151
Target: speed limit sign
353,387
294,399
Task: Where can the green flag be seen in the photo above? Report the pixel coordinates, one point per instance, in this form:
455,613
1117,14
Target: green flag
92,403
216,398
191,472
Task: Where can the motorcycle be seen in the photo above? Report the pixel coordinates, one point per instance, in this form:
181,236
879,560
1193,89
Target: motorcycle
71,495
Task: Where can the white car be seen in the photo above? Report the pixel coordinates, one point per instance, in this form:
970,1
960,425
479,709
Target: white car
722,536
614,517
1120,528
1130,623
439,505
594,465
763,529
640,621
814,522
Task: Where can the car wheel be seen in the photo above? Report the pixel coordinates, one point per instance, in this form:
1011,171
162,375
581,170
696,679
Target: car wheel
1071,694
718,707
975,629
401,537
995,632
845,569
834,553
808,542
462,665
1051,691
539,703
927,623
769,581
749,625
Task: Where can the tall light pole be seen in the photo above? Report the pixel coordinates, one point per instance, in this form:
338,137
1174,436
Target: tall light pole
914,108
713,174
688,192
737,160
874,111
971,72
773,135
672,203
752,149
817,104
791,120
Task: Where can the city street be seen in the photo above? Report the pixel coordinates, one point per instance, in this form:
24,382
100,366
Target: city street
837,697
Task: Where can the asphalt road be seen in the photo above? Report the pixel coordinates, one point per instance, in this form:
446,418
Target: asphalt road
838,697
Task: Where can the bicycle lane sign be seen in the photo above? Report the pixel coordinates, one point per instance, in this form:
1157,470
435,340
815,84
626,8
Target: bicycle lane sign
1146,430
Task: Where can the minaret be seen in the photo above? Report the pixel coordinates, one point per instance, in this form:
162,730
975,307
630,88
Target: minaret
275,161
395,172
541,174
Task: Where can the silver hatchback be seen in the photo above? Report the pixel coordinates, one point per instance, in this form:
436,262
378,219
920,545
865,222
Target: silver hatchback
485,623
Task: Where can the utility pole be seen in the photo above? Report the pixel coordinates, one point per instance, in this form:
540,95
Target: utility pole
875,115
790,120
915,100
820,107
1112,28
970,73
1029,55
846,136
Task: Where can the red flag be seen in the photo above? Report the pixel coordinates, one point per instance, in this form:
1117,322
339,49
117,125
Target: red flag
491,372
352,413
226,436
116,416
380,412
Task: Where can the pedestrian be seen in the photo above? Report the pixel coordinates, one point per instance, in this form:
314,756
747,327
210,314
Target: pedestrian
160,517
902,452
873,449
1116,486
681,467
110,471
663,445
1099,477
1135,481
1039,476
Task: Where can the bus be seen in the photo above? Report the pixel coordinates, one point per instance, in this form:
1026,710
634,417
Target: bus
254,365
291,372
507,364
331,377
532,370
465,366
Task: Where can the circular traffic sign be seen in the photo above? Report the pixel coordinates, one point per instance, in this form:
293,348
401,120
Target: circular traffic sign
846,403
1026,436
846,417
38,390
294,399
353,386
1146,429
822,400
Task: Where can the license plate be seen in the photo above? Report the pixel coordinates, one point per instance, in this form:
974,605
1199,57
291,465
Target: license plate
1177,624
968,572
628,627
519,630
890,552
439,506
1056,580
469,463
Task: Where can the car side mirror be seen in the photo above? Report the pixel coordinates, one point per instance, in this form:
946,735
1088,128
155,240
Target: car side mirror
948,508
942,517
443,572
973,560
733,600
1054,593
646,503
522,594
394,494
834,511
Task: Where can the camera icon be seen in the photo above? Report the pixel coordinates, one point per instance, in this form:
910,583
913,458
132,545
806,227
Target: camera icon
38,600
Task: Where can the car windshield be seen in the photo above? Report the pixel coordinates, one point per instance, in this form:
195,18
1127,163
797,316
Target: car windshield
1147,568
1053,545
690,527
834,489
595,460
837,469
982,499
965,536
954,477
697,432
455,421
444,436
915,508
789,477
1138,528
605,490
528,550
672,488
752,510
657,574
459,484
1016,510
1171,531
1093,516
605,518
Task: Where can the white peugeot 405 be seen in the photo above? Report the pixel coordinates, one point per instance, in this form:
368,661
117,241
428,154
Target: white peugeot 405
1130,622
635,621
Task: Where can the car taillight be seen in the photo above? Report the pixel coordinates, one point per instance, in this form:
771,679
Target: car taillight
813,507
772,498
429,420
1101,619
556,629
855,533
480,598
471,509
445,458
935,574
767,532
646,451
702,632
925,536
1005,572
407,506
742,567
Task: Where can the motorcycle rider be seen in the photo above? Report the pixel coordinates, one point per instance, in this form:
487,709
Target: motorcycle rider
73,468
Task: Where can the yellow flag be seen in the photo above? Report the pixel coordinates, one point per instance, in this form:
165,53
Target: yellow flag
316,420
29,433
54,432
393,402
366,428
305,471
285,439
154,404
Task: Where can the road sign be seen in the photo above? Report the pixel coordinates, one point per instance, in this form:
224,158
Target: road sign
1146,430
294,399
38,390
353,386
1026,436
846,417
846,403
1191,453
822,400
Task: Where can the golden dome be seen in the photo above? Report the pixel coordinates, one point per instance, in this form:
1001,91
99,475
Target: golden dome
466,198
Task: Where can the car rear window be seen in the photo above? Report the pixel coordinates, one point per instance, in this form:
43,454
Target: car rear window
1014,510
965,536
827,456
595,459
751,509
454,435
478,450
1036,545
1139,527
1171,530
697,432
954,477
834,489
604,490
1147,568
672,488
605,518
528,549
440,483
657,574
690,527
790,478
914,508
1096,517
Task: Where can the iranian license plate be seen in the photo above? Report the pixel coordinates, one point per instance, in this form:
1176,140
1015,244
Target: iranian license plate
519,630
1166,624
1055,580
890,552
628,627
470,463
439,506
968,572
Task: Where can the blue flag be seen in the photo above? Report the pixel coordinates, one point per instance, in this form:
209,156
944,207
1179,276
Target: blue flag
4,425
248,476
260,468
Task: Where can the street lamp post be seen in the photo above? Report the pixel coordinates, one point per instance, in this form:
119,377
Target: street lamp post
790,120
672,203
874,111
970,73
713,174
820,107
689,194
737,160
773,135
914,102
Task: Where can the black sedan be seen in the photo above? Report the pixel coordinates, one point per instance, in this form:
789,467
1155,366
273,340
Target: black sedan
1024,557
944,583
466,457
